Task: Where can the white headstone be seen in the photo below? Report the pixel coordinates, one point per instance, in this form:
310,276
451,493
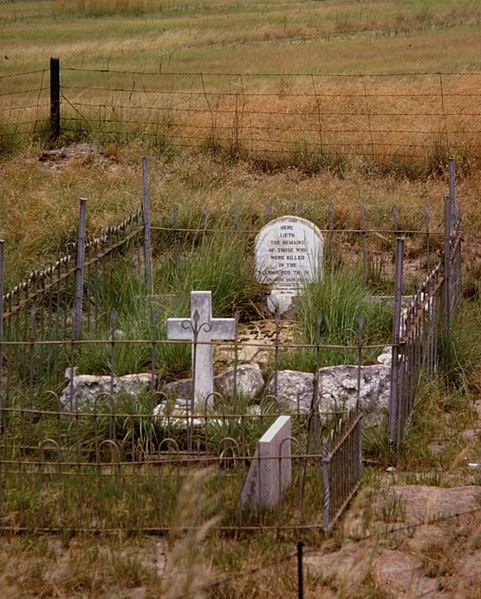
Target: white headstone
289,253
270,470
201,329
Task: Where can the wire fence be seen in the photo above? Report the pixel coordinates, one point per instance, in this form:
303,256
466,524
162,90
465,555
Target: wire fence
391,120
423,327
110,451
24,105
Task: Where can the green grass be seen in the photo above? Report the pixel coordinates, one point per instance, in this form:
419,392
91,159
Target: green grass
338,311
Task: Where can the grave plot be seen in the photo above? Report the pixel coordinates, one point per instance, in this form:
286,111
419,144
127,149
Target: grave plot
126,369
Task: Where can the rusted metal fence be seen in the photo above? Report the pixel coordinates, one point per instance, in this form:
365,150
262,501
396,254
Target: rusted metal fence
342,465
424,324
117,456
53,304
113,453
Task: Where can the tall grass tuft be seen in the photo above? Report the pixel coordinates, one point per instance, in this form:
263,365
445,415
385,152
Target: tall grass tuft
187,569
344,303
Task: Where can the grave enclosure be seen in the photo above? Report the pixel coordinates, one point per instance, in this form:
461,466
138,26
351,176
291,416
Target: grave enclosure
111,453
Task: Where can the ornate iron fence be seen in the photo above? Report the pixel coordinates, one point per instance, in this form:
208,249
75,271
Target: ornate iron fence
119,460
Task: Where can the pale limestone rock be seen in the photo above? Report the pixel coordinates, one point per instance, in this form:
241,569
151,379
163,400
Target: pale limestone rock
180,389
83,390
338,386
294,389
338,389
249,381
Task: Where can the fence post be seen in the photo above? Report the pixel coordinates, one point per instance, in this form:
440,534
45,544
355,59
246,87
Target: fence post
300,577
54,98
396,325
363,243
452,188
147,239
326,492
447,263
1,335
79,271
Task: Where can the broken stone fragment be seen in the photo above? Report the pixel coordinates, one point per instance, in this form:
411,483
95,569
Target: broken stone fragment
249,383
84,390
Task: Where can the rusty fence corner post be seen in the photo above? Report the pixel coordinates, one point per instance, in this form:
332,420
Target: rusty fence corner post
394,391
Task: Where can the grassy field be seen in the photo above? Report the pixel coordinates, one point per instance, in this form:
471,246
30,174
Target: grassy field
245,36
294,84
251,48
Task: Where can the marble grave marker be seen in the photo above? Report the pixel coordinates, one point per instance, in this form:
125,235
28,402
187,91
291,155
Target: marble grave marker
289,253
270,470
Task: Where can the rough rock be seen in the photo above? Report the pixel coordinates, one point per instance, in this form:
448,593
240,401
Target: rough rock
83,391
294,389
180,389
469,569
400,574
250,381
178,414
425,535
345,569
338,388
425,503
386,357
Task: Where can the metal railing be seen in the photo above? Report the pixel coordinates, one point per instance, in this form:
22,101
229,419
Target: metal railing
421,328
117,461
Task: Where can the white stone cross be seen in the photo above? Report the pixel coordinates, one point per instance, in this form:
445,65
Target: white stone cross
201,329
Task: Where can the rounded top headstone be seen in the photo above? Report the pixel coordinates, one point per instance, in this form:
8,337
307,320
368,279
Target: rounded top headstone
289,253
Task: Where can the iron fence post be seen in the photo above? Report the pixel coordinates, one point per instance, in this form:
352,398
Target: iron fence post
79,271
452,187
300,577
146,214
1,335
447,263
363,244
394,391
54,98
326,497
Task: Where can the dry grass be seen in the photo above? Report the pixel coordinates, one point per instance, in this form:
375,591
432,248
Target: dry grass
44,201
392,124
281,149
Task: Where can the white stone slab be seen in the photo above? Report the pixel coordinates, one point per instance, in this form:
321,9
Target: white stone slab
201,329
270,470
289,253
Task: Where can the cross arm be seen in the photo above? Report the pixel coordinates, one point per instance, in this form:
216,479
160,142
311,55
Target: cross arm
179,329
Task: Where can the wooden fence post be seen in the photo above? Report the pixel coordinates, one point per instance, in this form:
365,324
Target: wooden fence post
54,98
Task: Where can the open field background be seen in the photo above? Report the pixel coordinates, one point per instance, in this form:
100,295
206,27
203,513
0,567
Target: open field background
285,101
393,85
312,80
